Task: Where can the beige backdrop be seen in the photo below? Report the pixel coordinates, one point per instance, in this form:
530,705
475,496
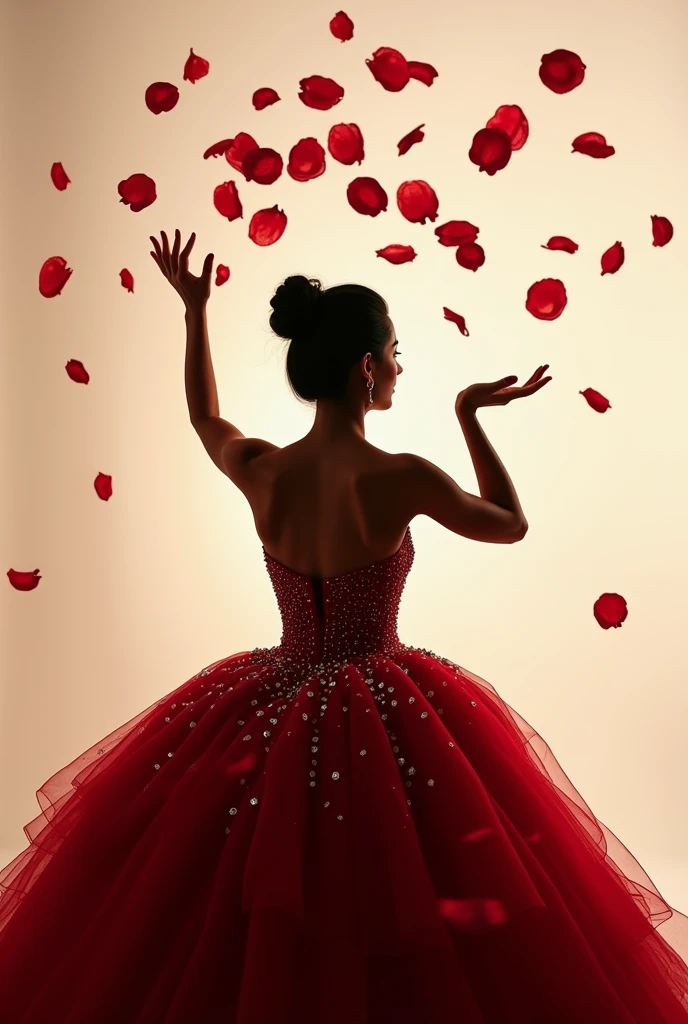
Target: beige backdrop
140,592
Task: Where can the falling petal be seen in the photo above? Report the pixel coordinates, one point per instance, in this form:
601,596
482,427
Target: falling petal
263,98
490,150
367,196
514,122
137,192
53,276
195,68
562,243
342,27
127,280
409,140
613,258
103,486
397,253
662,230
424,73
161,97
59,177
610,610
471,256
264,166
390,68
77,371
306,160
345,143
417,201
267,226
218,148
595,400
221,274
592,144
24,580
227,202
561,70
240,147
457,319
320,93
456,232
546,299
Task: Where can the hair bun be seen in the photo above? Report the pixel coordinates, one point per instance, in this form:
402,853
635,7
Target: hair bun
295,305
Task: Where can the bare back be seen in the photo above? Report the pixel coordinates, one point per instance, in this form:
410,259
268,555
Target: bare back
325,512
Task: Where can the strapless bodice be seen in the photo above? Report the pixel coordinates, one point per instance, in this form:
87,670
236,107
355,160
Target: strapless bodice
339,617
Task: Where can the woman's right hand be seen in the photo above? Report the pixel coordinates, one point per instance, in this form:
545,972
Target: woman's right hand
499,392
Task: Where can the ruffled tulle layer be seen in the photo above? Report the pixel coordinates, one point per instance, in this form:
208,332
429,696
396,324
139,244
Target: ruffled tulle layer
393,843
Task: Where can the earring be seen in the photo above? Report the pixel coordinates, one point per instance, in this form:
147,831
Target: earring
370,390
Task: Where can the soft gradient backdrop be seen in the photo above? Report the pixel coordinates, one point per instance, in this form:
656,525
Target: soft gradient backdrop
139,593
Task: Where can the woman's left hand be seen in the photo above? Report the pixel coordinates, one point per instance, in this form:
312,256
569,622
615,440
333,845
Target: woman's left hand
194,291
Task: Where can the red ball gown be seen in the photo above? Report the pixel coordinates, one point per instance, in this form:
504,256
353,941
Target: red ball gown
341,829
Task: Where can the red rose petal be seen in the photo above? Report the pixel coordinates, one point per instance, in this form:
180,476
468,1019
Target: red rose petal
195,68
137,192
610,610
342,27
59,177
306,160
546,299
561,70
345,143
227,202
397,253
24,580
424,73
471,256
240,147
662,230
561,242
53,276
161,97
595,400
592,144
267,226
221,274
367,196
457,319
103,486
219,148
409,140
490,150
456,232
417,201
127,280
390,68
263,98
514,122
613,258
77,371
320,93
264,166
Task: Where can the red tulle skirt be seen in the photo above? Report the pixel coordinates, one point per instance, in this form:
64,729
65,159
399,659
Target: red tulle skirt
228,856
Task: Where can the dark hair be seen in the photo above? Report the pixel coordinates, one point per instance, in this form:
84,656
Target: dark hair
329,331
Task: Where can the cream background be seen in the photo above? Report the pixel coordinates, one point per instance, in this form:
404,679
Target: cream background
141,592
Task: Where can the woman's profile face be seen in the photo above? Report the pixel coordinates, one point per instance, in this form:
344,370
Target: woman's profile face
388,372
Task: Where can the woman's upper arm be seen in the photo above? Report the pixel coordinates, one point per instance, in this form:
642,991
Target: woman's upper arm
433,493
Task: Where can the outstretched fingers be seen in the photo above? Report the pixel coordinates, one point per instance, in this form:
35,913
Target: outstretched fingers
184,257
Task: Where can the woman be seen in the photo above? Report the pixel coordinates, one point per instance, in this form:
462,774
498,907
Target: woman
341,829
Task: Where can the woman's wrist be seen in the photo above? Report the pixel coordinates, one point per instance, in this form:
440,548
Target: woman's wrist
194,310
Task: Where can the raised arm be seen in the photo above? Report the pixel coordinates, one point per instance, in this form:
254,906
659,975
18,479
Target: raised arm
494,517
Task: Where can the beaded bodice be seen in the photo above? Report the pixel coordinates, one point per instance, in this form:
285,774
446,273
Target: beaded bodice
340,617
